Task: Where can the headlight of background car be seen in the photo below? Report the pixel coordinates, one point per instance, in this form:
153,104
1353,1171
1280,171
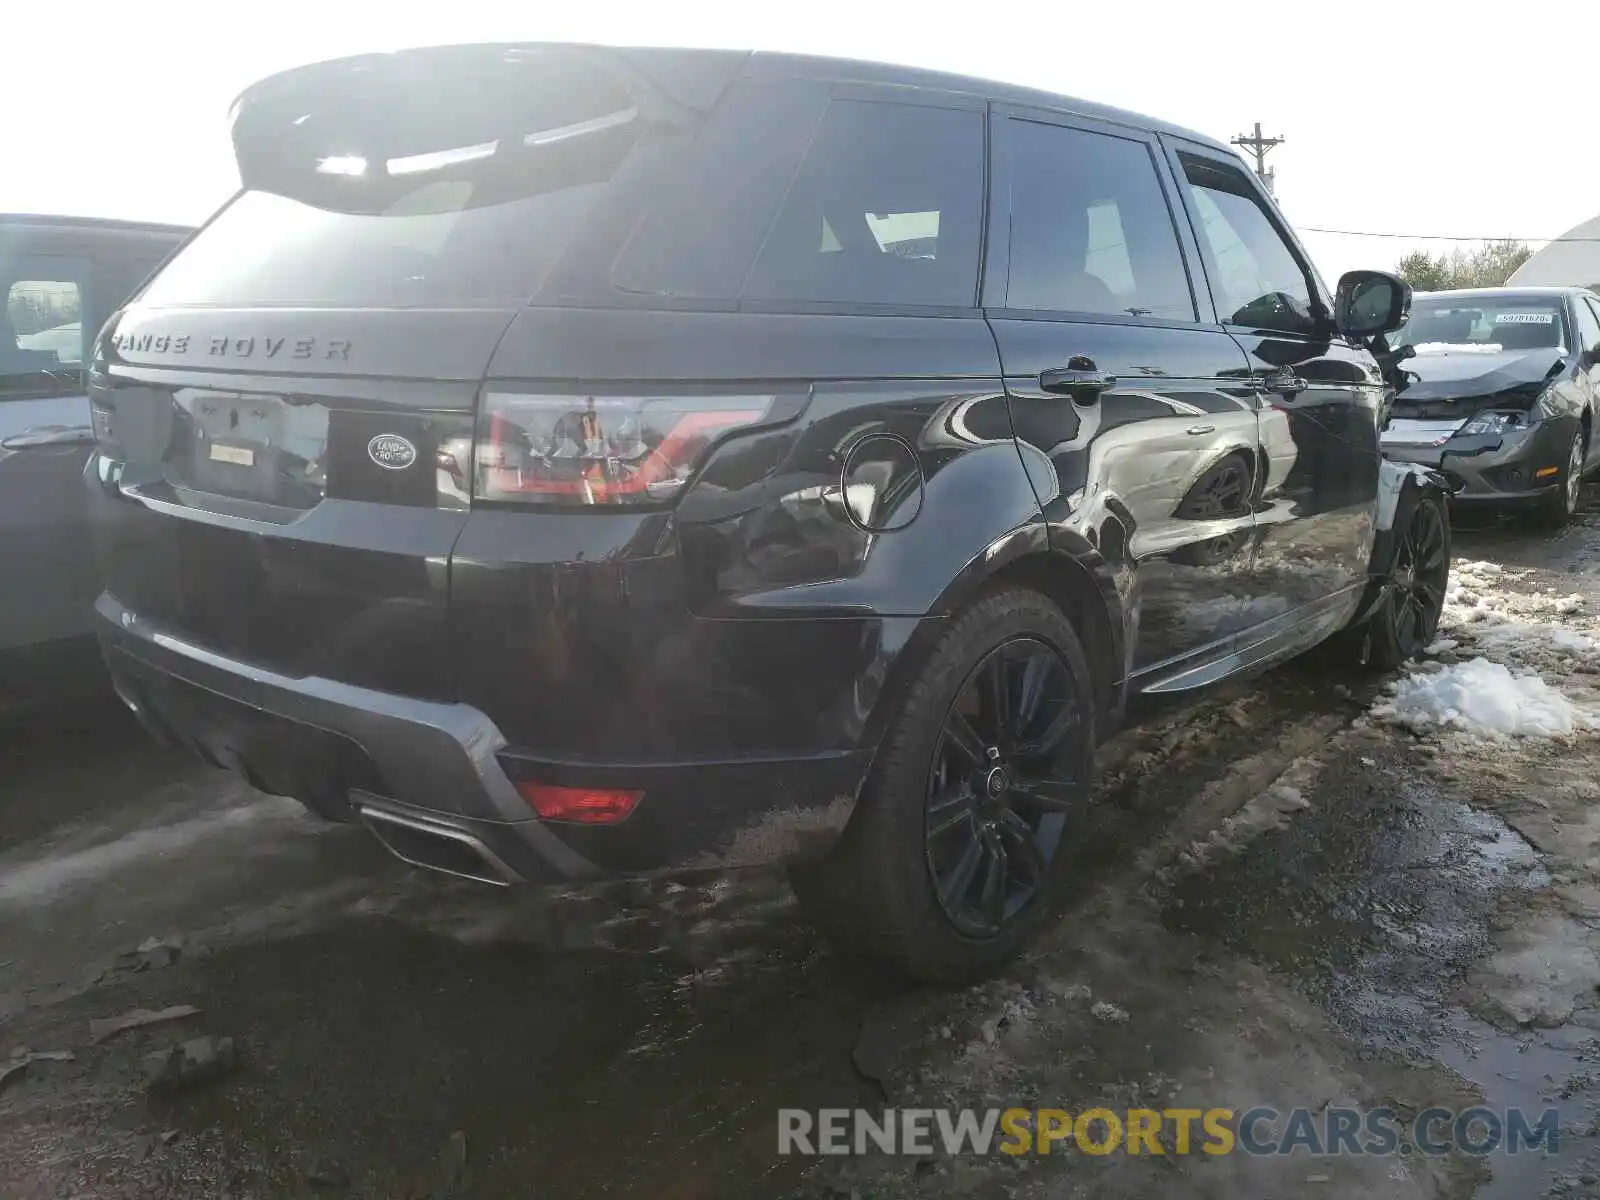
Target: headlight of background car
1496,422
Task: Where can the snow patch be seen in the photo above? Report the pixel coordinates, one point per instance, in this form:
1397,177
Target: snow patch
1104,1010
1483,696
1268,810
1535,628
1459,348
1528,639
1577,643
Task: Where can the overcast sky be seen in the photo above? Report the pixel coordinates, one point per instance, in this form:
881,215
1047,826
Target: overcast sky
1423,118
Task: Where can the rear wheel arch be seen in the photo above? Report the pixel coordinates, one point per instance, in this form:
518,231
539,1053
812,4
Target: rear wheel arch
1080,587
881,889
1072,587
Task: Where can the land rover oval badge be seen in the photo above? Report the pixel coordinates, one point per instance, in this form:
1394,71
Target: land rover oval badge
391,452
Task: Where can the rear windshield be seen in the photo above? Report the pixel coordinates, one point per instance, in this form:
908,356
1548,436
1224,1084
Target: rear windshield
1483,325
562,175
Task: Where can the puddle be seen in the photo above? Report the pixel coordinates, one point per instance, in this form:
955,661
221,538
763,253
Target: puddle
1558,1068
1381,888
1378,901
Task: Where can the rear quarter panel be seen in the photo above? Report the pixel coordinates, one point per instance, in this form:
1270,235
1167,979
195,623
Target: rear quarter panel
759,615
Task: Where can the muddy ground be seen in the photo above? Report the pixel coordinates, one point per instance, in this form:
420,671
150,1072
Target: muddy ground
1286,902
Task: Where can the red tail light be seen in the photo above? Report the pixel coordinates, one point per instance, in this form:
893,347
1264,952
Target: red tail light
585,806
600,450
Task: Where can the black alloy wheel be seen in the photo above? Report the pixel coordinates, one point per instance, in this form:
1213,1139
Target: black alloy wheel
976,805
1002,783
1408,618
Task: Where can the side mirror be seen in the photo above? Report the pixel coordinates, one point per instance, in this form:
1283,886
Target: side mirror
1368,303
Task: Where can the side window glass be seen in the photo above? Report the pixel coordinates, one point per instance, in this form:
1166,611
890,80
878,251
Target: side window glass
885,209
41,334
1255,277
1588,324
1091,231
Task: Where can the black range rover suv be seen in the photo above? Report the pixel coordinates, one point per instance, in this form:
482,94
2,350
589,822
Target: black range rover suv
573,461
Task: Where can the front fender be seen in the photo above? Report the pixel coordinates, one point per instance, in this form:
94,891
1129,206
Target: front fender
1394,478
1398,484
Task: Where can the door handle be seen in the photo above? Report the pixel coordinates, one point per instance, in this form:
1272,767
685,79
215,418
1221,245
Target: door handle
1198,430
1080,379
1282,383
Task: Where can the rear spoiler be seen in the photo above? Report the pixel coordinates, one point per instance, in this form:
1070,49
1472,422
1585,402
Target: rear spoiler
458,108
694,79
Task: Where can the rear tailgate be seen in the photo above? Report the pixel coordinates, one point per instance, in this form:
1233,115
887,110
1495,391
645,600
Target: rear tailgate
286,413
290,482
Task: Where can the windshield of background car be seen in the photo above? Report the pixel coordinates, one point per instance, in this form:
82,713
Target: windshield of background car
563,175
1486,326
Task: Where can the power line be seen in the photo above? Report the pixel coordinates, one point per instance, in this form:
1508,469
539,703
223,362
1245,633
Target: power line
1441,237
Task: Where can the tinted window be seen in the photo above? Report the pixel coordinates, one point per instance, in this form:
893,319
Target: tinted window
1090,227
1588,324
382,187
885,209
777,195
1256,279
41,327
708,212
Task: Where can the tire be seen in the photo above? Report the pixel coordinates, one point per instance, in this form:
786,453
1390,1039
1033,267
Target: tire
1407,617
1561,505
936,792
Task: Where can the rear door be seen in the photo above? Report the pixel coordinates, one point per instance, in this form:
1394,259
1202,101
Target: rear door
1087,273
1319,396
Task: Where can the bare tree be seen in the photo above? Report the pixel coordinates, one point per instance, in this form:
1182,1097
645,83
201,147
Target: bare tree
1488,265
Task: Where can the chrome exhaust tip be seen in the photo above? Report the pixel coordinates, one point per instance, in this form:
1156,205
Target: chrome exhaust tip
435,846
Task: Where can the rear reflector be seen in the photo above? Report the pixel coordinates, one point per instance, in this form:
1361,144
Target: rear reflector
586,806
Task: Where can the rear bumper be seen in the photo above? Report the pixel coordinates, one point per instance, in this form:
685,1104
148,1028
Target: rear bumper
434,780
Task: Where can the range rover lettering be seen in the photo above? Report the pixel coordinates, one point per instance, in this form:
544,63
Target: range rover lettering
732,459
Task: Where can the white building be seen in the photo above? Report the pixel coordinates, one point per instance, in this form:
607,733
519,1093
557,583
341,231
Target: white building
1573,262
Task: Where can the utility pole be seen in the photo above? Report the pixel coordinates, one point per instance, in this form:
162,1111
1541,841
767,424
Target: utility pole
1259,146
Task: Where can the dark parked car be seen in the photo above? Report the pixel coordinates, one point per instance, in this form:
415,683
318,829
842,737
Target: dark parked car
60,277
573,461
1501,392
